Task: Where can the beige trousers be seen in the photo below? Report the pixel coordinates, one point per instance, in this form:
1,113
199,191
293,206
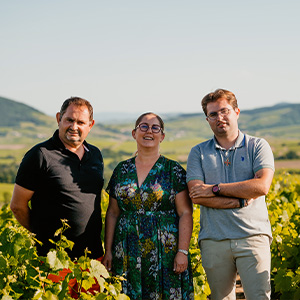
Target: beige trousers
250,257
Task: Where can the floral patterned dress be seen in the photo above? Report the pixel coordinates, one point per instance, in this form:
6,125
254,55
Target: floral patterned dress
146,234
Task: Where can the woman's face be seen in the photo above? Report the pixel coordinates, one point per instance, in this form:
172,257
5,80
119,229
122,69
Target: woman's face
145,137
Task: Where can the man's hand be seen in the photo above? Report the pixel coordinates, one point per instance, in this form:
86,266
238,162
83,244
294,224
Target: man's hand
201,190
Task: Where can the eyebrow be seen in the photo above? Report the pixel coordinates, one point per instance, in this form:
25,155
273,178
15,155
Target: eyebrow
149,124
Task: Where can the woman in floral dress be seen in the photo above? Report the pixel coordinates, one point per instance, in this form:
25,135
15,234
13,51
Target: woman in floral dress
149,222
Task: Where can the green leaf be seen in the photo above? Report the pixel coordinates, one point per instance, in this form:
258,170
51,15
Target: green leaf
98,269
88,280
49,296
123,297
55,262
6,297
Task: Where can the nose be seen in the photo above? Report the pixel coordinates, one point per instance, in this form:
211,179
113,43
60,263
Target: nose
219,115
74,125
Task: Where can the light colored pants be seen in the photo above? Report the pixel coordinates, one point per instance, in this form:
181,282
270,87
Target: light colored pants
250,257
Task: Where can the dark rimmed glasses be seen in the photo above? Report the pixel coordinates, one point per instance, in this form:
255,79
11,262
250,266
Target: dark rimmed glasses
223,112
144,127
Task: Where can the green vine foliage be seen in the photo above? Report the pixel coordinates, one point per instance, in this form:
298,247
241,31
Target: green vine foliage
25,275
284,211
201,287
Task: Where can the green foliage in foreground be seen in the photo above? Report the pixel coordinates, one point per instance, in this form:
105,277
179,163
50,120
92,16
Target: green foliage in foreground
25,275
284,213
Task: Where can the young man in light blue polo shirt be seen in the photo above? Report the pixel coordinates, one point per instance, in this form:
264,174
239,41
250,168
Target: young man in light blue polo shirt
229,176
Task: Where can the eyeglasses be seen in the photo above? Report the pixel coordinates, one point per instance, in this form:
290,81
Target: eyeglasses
223,112
144,128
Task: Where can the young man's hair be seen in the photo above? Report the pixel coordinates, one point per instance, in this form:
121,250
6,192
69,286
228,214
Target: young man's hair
216,95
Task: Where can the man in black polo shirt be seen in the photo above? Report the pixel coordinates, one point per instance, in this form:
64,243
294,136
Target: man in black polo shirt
63,179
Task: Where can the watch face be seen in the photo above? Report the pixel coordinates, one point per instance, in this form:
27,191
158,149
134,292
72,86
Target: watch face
215,189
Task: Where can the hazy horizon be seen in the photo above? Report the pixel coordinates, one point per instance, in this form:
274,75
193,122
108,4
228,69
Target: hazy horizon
138,56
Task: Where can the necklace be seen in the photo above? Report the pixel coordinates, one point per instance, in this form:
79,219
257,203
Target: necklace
227,162
227,155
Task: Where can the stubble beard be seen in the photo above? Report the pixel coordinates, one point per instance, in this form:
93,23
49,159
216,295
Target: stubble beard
73,139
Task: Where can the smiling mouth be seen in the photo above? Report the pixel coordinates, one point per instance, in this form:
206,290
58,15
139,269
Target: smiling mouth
148,138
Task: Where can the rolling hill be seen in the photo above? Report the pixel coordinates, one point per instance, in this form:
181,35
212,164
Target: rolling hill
22,126
281,120
14,114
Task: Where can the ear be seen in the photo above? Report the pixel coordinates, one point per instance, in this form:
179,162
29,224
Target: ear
133,134
92,124
58,118
162,137
237,111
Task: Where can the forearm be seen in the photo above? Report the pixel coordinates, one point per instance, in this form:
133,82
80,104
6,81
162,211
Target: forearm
248,189
185,230
23,216
19,205
110,225
217,202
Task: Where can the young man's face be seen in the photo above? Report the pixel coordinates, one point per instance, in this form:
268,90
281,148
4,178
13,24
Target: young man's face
222,117
74,125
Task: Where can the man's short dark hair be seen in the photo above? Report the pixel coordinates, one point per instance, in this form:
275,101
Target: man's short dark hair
79,102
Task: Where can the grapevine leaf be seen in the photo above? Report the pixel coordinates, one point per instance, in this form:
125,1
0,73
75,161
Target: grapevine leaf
123,297
88,280
49,296
98,269
6,297
56,263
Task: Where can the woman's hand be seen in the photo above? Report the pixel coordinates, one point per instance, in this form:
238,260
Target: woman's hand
107,260
180,263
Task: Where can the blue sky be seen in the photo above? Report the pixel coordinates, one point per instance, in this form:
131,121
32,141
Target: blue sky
137,55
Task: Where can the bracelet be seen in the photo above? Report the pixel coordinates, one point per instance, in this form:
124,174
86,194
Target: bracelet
185,252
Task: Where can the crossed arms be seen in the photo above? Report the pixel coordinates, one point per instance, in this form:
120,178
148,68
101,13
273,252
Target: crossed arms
230,193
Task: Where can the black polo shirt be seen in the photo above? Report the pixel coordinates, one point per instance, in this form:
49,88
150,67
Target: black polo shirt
65,187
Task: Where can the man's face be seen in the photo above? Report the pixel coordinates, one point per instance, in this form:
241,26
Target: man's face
222,118
74,125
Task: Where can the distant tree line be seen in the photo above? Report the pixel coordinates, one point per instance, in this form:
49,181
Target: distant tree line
291,154
8,172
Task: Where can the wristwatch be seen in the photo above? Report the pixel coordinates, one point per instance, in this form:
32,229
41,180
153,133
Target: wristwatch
243,202
216,189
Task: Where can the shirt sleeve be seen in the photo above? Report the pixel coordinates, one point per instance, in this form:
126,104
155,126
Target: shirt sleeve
179,178
30,172
263,156
194,165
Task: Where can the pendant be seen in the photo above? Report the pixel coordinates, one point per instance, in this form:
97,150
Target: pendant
227,162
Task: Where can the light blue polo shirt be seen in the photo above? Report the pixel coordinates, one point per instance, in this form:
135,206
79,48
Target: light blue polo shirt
212,164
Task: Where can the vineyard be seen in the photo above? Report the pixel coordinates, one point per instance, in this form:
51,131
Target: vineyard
24,275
